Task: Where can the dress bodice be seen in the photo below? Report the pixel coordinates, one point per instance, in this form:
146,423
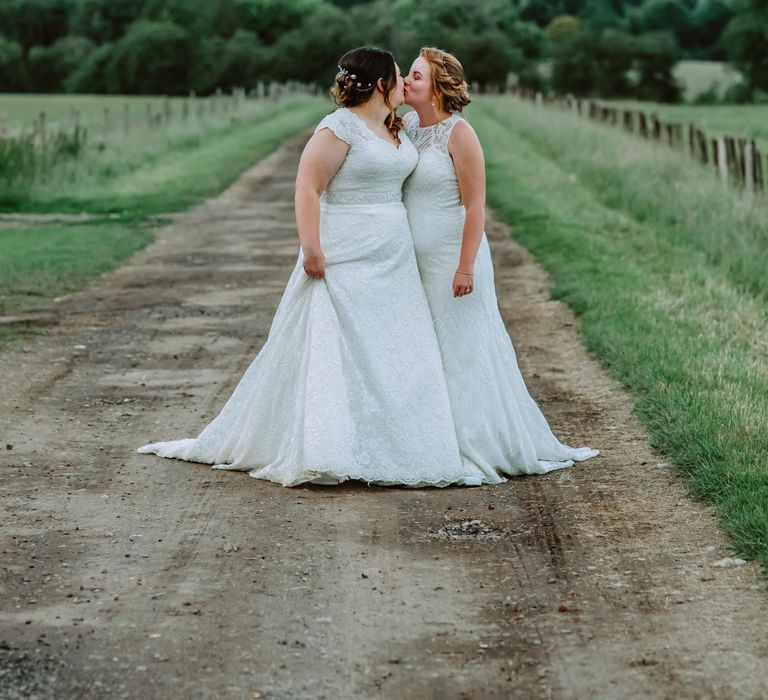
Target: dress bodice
433,183
374,169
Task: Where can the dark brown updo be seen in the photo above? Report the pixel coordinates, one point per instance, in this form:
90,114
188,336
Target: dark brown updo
355,84
448,82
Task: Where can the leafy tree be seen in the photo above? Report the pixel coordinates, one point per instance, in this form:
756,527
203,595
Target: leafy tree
572,64
561,28
203,18
350,3
603,14
36,22
91,75
104,20
708,20
527,46
153,57
270,19
226,63
590,63
373,24
745,39
480,35
485,56
663,15
309,52
49,66
656,54
542,12
12,72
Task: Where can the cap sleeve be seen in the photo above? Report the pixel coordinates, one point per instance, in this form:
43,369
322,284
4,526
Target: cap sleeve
339,123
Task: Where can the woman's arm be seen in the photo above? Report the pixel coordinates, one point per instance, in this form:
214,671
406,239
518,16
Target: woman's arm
320,161
467,154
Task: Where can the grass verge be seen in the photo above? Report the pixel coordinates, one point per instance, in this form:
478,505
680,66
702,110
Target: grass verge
678,315
41,262
170,177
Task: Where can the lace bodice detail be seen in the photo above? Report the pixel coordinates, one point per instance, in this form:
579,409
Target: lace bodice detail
374,170
434,179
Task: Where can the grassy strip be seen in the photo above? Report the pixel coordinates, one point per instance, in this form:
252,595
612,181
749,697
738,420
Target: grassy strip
188,170
667,316
653,185
41,263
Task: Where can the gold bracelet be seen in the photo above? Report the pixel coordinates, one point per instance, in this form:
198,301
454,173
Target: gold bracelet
470,274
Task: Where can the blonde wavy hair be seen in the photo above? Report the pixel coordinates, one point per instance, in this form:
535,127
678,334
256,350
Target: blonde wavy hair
448,82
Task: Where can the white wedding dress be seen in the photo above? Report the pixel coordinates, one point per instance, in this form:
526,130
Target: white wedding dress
349,384
499,426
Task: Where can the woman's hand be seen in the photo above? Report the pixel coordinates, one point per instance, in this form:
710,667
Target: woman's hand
463,283
314,263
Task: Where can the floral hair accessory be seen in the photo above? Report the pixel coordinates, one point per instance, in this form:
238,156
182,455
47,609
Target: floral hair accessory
352,76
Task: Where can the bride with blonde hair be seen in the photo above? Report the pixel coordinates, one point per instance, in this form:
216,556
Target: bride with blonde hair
499,427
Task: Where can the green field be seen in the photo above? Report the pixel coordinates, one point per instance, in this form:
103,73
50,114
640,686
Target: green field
699,76
149,171
42,262
124,185
667,271
20,111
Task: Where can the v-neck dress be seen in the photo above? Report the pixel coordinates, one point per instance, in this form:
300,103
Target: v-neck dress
349,384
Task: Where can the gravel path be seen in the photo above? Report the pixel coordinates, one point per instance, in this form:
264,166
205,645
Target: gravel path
128,576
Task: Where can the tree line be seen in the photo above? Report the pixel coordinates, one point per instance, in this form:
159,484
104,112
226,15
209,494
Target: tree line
606,48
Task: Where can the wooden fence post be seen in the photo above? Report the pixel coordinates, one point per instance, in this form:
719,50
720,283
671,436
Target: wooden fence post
749,166
732,158
703,146
758,162
40,129
722,160
643,124
656,126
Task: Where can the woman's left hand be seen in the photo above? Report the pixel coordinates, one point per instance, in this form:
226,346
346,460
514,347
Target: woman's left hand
463,283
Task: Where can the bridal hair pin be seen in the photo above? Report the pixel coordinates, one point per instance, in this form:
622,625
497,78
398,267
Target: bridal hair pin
352,76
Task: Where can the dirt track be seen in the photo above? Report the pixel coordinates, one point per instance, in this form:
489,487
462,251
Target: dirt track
129,576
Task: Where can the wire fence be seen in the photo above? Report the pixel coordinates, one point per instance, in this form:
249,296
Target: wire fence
736,159
29,151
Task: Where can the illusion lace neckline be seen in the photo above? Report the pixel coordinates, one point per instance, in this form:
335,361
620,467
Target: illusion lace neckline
371,131
432,126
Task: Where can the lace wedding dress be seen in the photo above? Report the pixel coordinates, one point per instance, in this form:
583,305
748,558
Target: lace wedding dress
349,384
499,426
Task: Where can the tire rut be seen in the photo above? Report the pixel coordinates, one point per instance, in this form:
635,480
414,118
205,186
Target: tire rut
127,576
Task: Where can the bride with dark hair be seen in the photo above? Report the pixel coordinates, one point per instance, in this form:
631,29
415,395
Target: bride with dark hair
349,384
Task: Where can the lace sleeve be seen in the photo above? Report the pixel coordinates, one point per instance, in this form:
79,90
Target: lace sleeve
339,124
410,119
